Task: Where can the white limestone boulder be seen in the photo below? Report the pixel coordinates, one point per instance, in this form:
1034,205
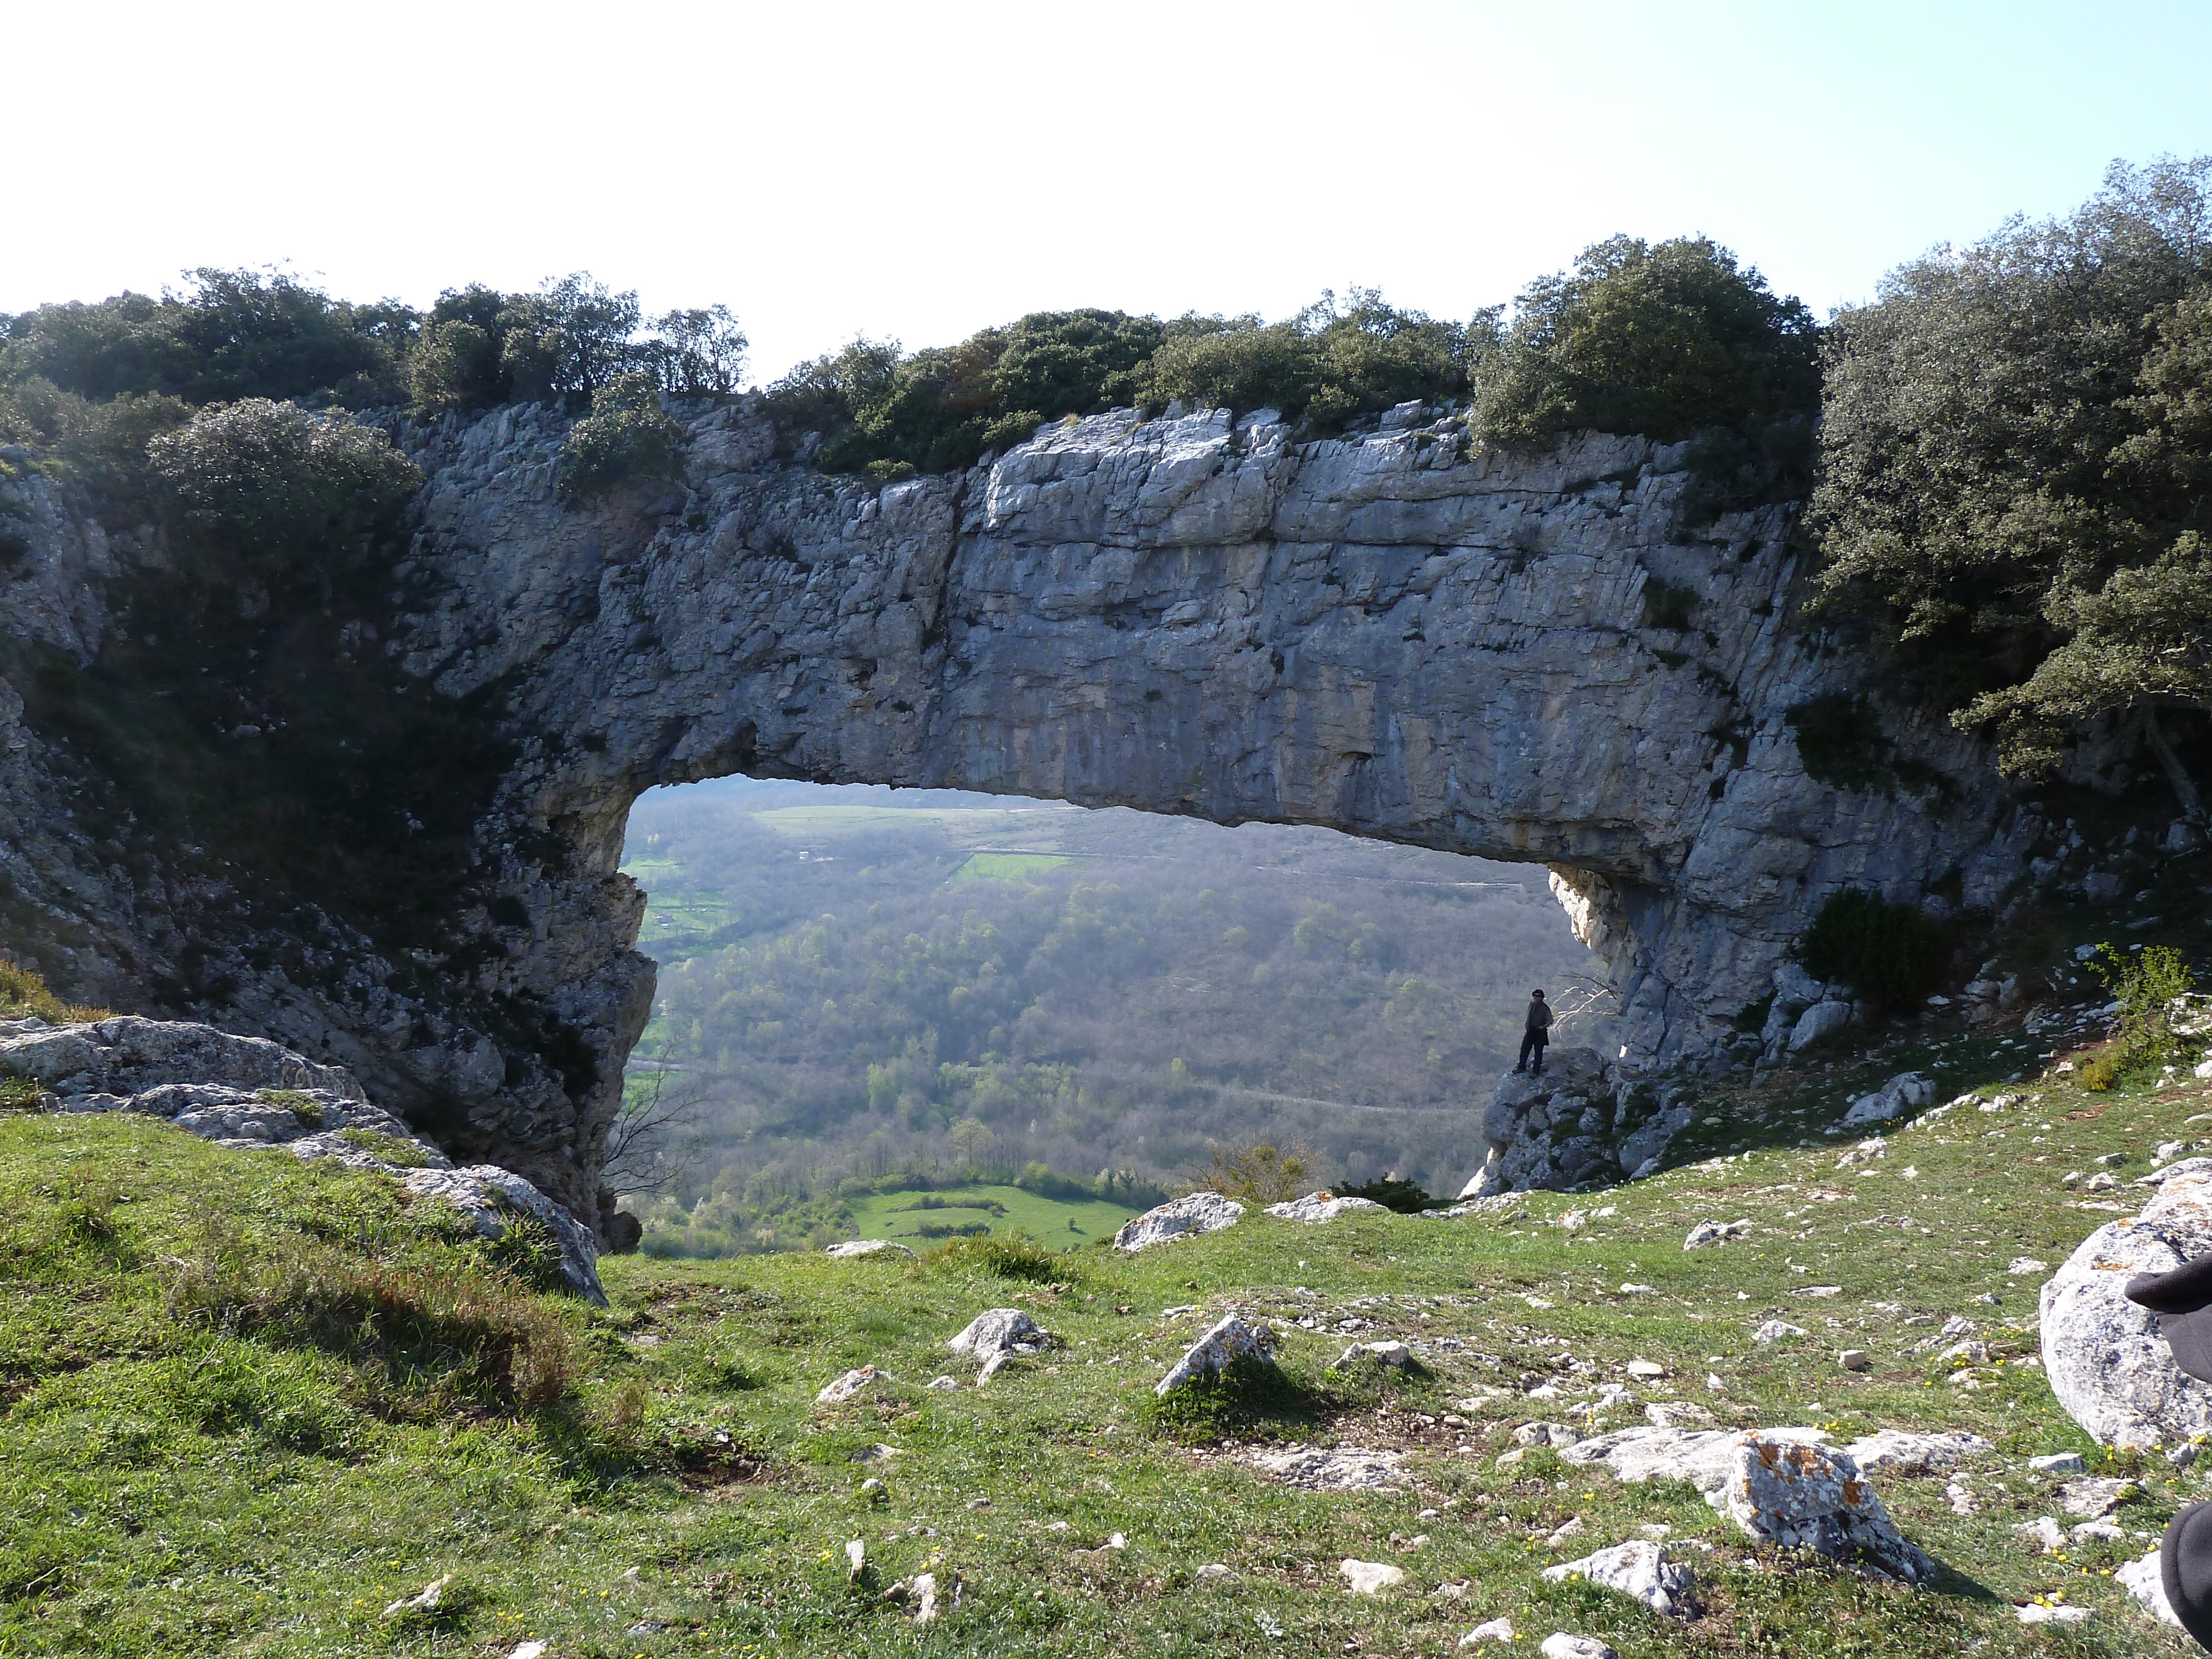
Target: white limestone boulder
1640,1570
1228,1342
854,1248
1181,1218
1799,1496
2145,1582
2107,1362
994,1337
1319,1207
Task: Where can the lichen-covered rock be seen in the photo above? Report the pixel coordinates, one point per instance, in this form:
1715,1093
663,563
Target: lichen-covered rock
2106,1361
1181,1218
1231,1341
1320,1206
1704,1457
1640,1570
1799,1497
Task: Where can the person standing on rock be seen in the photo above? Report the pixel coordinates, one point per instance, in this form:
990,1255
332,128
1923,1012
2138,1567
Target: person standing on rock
1535,1035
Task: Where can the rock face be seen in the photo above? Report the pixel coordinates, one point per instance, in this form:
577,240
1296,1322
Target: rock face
1555,659
2107,1362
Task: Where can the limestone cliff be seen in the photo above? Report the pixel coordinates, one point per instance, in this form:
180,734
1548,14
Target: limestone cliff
1553,659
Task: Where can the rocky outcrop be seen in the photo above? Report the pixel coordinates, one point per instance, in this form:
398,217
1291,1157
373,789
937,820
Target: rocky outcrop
247,1093
1180,1218
1559,658
1582,1123
2106,1363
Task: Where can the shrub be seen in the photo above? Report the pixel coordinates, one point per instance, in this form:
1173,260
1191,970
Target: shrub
1249,1398
625,436
2151,986
286,490
1893,954
1328,364
303,1107
20,1094
1258,1172
1394,1192
1666,342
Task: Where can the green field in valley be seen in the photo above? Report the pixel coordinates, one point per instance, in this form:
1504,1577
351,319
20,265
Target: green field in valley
1058,1223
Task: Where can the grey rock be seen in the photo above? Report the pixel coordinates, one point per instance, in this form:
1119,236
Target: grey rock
1777,1330
1231,1341
1822,1019
1905,1092
1560,1645
2091,1496
1181,1218
851,1386
1799,1496
2058,1463
1640,1570
2105,1359
994,1336
1395,1354
1342,1468
2142,1580
1715,1232
1320,1206
1370,1577
1896,1451
1195,614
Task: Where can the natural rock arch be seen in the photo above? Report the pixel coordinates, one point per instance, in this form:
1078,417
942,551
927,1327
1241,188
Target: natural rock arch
1541,659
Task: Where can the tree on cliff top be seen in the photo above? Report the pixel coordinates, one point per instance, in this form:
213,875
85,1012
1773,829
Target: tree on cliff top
1666,342
2016,451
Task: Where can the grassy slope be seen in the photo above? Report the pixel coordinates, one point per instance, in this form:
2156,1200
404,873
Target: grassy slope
174,1489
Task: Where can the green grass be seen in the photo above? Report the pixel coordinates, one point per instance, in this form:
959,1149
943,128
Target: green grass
253,1470
813,823
1003,1209
1005,866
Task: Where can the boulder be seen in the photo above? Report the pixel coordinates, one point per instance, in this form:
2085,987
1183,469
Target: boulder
1561,1645
1551,1131
993,1338
859,1247
2109,1367
1395,1354
1320,1206
1798,1496
1183,1217
1707,1233
1640,1570
1701,1457
1905,1092
1370,1577
1231,1340
1822,1019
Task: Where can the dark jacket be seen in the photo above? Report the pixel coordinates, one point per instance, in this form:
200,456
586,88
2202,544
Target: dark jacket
1540,1016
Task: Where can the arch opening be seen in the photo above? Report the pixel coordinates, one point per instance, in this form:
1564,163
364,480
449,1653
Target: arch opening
930,1011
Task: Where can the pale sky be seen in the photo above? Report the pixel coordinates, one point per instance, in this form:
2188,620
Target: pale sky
919,171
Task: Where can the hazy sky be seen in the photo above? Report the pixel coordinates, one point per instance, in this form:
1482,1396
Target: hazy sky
917,171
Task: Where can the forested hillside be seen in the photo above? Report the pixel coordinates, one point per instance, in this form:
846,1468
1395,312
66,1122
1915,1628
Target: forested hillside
856,991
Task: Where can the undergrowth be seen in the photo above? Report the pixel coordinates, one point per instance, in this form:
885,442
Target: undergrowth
24,995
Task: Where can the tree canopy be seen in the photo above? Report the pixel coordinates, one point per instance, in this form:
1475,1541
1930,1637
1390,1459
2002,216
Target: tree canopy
2015,449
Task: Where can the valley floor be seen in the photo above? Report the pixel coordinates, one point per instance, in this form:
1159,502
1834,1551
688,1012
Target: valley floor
193,1466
